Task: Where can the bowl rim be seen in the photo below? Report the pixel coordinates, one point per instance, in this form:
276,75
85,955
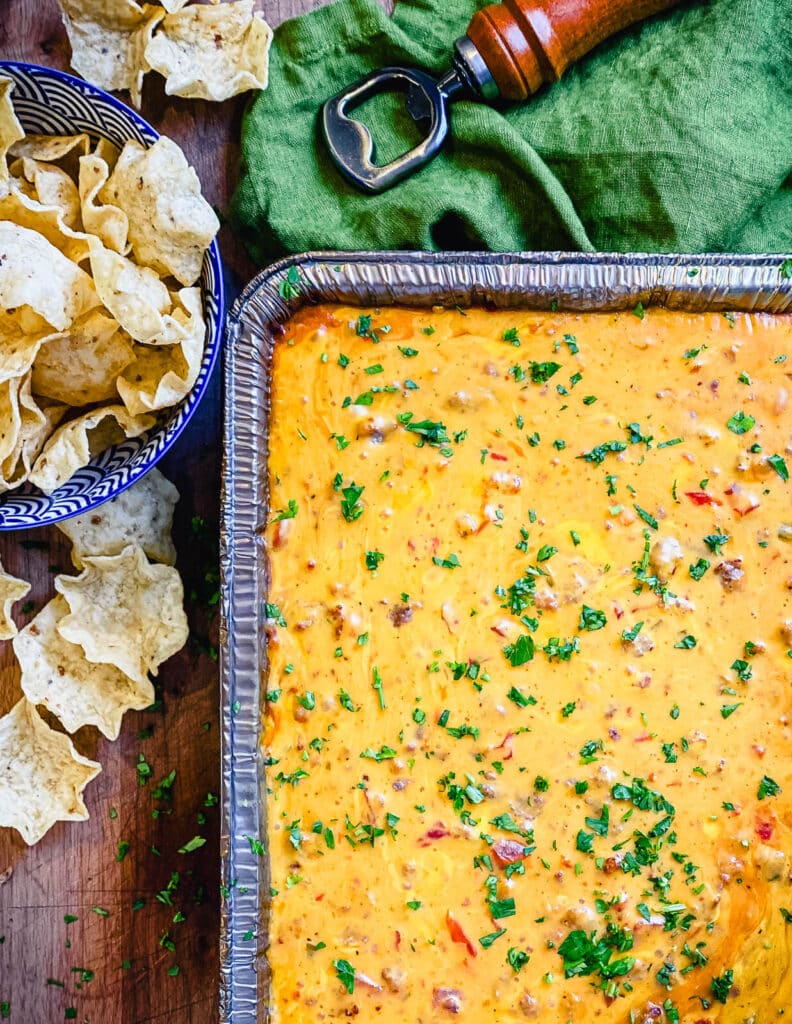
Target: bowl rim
215,336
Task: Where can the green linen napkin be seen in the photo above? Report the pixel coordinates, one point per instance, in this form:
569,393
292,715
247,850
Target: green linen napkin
674,136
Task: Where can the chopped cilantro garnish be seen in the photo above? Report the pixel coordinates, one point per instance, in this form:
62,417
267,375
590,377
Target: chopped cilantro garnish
646,516
373,559
377,685
193,844
517,959
289,287
351,508
585,954
487,940
519,698
383,754
740,423
767,787
722,986
542,372
598,453
521,651
698,569
345,973
779,465
589,751
345,700
591,619
715,541
287,513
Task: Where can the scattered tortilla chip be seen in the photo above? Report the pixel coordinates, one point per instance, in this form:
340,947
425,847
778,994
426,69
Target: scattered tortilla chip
135,295
11,591
108,40
11,130
107,222
34,273
142,514
56,674
73,445
81,365
51,148
124,611
170,223
42,776
212,52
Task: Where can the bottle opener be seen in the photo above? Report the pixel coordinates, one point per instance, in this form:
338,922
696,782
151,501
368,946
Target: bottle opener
511,50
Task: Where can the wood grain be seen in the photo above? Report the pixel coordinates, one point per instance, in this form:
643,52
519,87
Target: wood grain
74,868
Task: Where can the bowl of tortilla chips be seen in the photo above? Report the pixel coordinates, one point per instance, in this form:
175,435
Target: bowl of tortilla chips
111,295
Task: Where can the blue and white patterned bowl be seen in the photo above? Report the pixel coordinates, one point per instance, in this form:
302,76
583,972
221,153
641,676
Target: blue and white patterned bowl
50,102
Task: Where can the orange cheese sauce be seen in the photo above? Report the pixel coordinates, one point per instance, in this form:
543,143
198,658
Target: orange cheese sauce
527,726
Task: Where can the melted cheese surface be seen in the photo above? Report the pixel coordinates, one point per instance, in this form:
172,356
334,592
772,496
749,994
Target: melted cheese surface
529,668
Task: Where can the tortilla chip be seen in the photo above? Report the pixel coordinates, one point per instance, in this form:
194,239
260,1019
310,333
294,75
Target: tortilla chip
21,337
142,514
10,422
107,151
73,445
52,187
56,674
107,222
11,130
51,148
11,591
125,612
171,225
35,426
34,273
212,53
162,376
135,296
42,776
108,40
26,211
80,366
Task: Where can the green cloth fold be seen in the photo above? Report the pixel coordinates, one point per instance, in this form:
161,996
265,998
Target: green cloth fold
676,136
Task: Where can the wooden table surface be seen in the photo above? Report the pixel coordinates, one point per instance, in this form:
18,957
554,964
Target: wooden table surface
116,963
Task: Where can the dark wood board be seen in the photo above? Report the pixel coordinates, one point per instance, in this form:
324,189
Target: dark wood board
74,868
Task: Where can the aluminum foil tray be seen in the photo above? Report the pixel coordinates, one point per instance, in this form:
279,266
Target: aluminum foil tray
566,281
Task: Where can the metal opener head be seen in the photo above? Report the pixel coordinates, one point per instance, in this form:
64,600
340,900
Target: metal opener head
349,141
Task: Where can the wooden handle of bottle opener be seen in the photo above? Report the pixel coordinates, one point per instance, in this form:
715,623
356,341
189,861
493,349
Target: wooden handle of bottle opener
527,43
